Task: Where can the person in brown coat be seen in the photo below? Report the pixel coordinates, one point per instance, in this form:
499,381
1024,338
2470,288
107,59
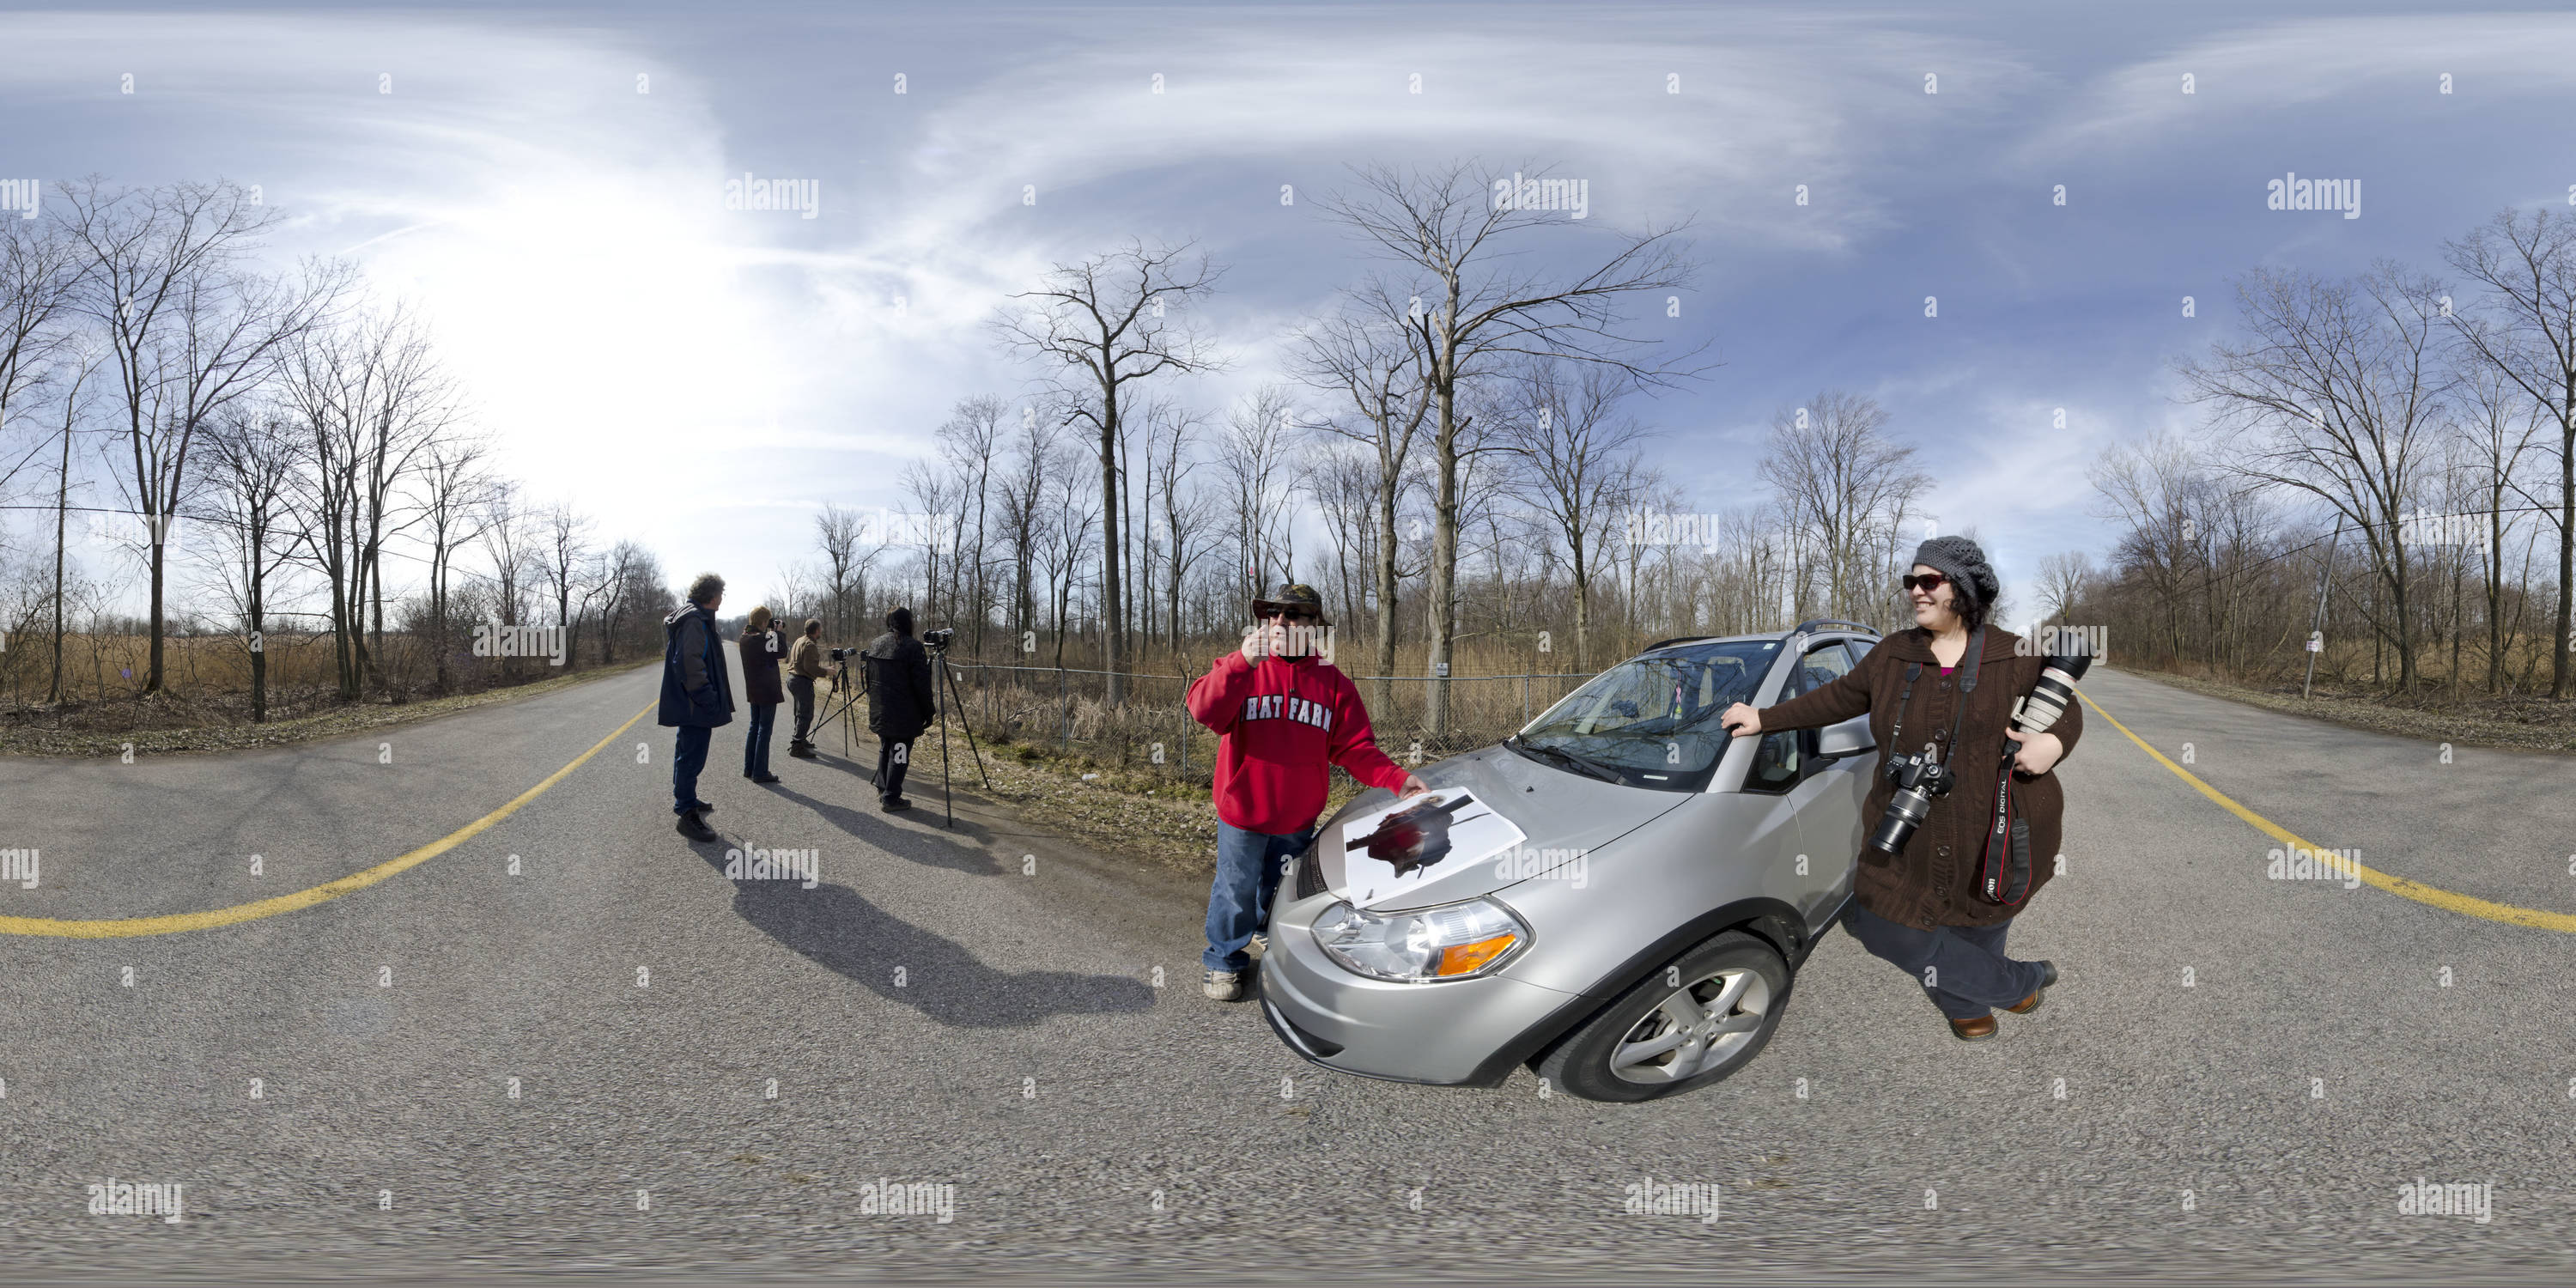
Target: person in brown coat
761,650
1924,909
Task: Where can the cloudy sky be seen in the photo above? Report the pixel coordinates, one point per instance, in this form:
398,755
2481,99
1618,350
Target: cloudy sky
546,183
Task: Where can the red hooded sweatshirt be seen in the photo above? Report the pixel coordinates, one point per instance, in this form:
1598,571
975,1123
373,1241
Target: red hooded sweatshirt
1283,721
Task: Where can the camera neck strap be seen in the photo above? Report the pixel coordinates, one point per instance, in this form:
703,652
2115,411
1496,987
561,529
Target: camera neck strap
1967,685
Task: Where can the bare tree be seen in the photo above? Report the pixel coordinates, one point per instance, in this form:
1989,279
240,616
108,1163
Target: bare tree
2337,394
83,363
36,277
189,327
971,440
1465,301
1369,360
2527,334
1107,323
1578,462
1257,468
562,554
848,553
455,491
2062,579
1847,487
255,455
2499,425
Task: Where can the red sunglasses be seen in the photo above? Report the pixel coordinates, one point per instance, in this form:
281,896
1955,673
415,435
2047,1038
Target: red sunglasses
1929,582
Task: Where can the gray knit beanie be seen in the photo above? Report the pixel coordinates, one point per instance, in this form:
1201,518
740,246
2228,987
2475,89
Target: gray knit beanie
1959,559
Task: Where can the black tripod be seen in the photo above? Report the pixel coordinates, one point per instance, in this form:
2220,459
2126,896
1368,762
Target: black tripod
944,680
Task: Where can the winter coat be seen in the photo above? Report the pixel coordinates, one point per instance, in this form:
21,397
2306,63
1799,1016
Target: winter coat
1285,722
1933,882
899,698
761,653
696,688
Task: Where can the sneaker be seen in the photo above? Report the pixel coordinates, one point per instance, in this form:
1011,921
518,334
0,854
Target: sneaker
1223,985
695,828
893,804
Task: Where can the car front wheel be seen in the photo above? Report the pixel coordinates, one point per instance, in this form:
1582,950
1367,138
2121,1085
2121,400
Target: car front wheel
1692,1023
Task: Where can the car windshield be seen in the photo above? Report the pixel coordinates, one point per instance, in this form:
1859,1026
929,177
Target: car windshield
1651,721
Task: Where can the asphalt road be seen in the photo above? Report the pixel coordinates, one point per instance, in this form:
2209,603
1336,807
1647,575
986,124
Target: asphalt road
618,1059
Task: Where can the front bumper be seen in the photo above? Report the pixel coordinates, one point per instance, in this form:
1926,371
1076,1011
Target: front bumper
1446,1033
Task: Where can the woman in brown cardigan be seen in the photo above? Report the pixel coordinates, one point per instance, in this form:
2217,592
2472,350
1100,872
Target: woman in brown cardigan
1924,909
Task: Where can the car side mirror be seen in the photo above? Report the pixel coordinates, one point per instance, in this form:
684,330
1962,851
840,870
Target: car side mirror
1850,738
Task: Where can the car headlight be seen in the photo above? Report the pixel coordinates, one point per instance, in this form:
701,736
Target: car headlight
1453,942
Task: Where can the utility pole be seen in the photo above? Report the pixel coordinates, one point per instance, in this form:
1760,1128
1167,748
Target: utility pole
2317,622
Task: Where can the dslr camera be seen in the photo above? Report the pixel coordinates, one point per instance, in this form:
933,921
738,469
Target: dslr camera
841,654
937,640
1919,779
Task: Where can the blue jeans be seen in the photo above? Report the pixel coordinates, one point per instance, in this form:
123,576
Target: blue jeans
688,756
1968,972
755,738
1248,865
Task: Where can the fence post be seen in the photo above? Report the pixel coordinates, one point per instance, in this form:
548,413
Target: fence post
1524,699
1064,699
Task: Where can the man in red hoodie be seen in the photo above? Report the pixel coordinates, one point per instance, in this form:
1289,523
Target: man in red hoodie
1285,715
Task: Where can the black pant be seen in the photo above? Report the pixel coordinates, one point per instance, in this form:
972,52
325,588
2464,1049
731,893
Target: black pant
1962,968
893,757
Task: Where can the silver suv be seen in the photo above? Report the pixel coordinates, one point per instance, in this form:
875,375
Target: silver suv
1617,895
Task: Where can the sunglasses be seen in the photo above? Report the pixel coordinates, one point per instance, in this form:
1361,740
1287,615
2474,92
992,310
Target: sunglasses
1928,582
1287,614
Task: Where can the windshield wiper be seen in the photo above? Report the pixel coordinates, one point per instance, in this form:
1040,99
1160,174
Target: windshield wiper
1587,768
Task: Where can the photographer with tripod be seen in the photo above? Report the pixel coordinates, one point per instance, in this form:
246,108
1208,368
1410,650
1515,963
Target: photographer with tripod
901,703
1967,808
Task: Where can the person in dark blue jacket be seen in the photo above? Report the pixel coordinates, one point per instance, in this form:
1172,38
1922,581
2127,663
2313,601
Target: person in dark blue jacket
697,696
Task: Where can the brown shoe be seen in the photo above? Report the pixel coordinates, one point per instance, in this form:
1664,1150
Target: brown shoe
2047,977
1976,1030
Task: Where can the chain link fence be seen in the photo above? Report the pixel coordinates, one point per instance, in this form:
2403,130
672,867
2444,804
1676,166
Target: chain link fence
1067,709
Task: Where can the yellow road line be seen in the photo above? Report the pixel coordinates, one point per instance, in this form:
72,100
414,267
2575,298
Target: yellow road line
2415,890
179,921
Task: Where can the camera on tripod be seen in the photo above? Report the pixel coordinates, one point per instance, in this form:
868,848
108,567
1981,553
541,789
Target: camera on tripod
937,640
842,654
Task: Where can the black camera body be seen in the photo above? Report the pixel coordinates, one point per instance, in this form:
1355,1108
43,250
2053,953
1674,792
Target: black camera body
842,654
939,639
1919,780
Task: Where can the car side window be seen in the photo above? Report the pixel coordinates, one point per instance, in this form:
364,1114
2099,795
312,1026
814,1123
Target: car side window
1784,758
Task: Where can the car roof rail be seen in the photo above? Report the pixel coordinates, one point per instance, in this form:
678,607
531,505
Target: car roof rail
1807,627
1678,639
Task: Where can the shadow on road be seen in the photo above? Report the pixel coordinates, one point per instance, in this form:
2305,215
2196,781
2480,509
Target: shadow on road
837,928
934,851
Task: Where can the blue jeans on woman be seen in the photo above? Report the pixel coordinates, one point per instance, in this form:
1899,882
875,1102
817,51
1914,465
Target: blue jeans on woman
755,739
1248,865
1962,968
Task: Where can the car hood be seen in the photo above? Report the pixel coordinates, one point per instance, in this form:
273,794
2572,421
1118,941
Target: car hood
1560,812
